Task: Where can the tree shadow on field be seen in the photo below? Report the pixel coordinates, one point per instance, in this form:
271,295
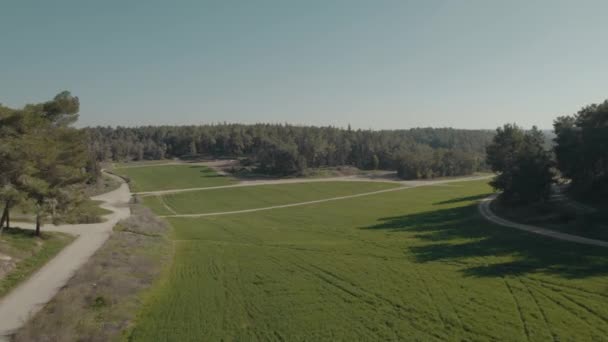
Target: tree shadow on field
462,199
462,236
206,172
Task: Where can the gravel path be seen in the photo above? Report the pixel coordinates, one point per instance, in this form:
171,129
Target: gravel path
30,296
486,211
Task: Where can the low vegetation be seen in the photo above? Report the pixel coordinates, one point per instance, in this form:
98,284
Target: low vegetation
86,211
163,177
415,264
260,196
82,210
102,185
22,254
102,299
253,173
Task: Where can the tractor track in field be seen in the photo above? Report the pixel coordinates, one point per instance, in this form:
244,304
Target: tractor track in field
404,186
166,205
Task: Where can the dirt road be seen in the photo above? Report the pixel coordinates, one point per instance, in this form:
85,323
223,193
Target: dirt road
30,296
486,211
405,186
412,183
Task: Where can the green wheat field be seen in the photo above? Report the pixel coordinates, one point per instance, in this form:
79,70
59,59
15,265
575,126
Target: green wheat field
412,264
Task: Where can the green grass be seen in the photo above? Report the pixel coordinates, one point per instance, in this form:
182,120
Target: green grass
261,196
29,252
417,264
165,177
141,163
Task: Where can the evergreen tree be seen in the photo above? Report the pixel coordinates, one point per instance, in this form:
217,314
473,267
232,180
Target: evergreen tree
523,166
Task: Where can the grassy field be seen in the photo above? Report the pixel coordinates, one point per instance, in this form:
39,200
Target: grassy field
28,254
163,177
142,163
248,197
416,264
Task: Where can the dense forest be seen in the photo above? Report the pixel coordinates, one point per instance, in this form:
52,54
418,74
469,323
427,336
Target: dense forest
286,149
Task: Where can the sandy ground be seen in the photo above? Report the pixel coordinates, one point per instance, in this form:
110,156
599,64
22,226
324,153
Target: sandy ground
486,211
30,296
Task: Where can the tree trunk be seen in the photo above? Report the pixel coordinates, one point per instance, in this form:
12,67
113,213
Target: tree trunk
37,224
4,216
8,219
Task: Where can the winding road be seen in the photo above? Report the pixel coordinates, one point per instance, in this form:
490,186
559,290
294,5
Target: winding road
486,212
30,296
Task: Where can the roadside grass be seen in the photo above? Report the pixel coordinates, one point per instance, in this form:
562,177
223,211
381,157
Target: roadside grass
88,211
165,177
259,196
28,253
418,264
101,301
558,216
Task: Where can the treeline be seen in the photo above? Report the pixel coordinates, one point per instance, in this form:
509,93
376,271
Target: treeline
44,161
526,169
286,149
581,149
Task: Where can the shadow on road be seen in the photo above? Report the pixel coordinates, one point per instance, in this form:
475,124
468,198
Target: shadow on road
461,235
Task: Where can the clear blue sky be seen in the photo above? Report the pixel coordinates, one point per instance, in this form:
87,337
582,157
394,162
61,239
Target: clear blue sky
374,64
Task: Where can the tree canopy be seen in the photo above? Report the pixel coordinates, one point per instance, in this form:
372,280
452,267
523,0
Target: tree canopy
42,158
581,149
287,149
523,165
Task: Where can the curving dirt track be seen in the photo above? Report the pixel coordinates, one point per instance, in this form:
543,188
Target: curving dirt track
486,211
